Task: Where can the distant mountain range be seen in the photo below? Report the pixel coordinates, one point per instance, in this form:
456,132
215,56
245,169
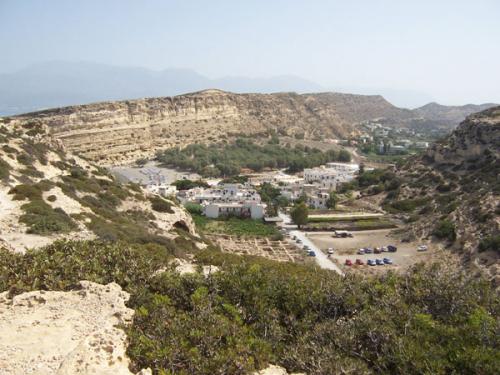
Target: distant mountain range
58,84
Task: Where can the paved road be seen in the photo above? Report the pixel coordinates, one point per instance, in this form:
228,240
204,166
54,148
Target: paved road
321,259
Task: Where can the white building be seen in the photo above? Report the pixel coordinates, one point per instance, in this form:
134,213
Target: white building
245,209
220,194
161,189
318,199
329,175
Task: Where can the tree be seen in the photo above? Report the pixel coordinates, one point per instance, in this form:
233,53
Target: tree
332,200
299,214
344,156
361,168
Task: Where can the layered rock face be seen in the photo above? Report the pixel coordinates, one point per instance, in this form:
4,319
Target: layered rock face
478,135
120,132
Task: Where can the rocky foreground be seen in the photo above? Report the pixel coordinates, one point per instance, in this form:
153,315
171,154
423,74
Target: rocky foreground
65,332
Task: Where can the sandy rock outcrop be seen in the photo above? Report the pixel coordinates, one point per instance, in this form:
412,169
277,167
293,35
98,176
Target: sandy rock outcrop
120,132
65,332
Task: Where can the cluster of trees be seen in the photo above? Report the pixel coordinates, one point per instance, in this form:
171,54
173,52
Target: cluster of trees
189,184
222,159
432,320
273,198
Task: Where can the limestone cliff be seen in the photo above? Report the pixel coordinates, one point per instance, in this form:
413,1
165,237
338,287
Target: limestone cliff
118,132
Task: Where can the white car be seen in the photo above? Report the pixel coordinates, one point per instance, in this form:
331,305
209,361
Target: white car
422,248
330,250
361,251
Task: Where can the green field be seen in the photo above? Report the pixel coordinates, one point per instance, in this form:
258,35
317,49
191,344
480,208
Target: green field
234,226
334,219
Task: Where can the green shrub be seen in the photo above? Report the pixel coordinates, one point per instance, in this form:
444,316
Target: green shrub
63,264
25,191
31,172
407,205
161,205
194,208
51,198
9,150
41,218
445,229
490,243
258,311
25,159
4,170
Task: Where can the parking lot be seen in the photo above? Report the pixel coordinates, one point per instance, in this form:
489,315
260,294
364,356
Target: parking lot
347,248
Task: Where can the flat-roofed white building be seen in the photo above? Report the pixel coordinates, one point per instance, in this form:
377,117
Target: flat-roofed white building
329,175
318,199
251,210
223,193
161,189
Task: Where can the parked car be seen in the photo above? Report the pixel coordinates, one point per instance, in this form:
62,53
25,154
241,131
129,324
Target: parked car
348,262
392,249
379,262
294,237
368,250
371,262
306,247
361,251
330,250
383,249
342,234
377,250
359,262
422,248
387,261
311,253
299,241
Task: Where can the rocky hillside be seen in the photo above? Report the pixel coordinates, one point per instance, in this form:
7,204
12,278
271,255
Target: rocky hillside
452,193
447,117
123,131
48,194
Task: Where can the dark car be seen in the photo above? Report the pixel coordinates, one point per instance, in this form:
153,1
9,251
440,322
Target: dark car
359,262
377,250
379,262
311,253
371,262
392,249
368,250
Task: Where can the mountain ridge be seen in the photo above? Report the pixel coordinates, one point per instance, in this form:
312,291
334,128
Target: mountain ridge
118,132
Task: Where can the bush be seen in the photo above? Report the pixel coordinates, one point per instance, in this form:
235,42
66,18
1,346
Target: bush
445,229
188,184
41,218
61,265
161,205
194,208
52,198
4,170
25,191
491,243
258,311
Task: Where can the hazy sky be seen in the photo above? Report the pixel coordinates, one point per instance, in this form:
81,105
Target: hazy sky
447,49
